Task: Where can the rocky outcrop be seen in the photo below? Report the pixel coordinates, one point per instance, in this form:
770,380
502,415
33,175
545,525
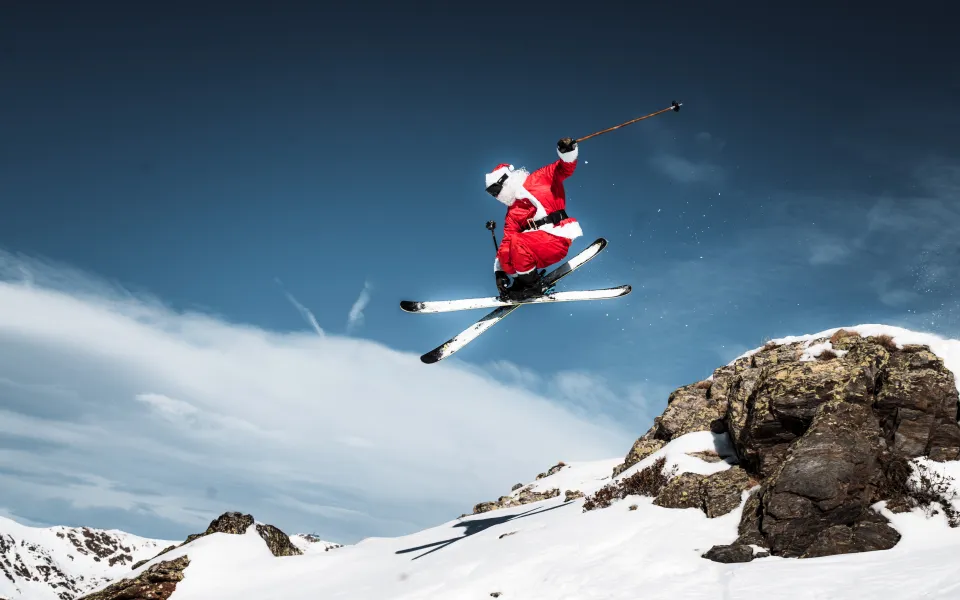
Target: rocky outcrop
814,427
523,496
641,449
716,494
233,523
552,470
236,523
155,583
277,541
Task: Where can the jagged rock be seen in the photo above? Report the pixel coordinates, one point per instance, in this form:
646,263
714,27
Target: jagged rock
526,496
918,405
748,531
516,487
734,553
234,523
683,491
552,470
483,507
155,583
277,541
689,409
641,449
829,479
722,492
783,403
716,494
572,495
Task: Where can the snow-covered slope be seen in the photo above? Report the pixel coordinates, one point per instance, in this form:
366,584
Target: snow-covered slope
552,550
61,563
309,543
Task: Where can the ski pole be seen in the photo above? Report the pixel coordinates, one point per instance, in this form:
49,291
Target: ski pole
675,107
492,225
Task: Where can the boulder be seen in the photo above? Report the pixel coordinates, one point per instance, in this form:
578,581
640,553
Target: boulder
734,553
828,479
820,440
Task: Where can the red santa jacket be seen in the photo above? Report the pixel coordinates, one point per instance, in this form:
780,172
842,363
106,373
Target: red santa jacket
540,194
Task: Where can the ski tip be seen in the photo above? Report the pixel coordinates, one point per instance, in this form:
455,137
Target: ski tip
432,357
411,306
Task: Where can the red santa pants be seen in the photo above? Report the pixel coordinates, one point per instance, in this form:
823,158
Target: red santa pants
523,252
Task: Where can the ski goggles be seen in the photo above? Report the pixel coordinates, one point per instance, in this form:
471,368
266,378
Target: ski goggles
496,187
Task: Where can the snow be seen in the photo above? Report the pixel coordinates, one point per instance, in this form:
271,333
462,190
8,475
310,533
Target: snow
30,552
552,550
309,543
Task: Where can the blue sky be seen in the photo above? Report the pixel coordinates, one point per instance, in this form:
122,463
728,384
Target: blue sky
292,170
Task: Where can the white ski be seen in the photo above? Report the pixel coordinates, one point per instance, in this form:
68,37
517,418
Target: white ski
438,306
471,333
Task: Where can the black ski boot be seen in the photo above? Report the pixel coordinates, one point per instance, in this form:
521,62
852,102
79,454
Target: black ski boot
525,286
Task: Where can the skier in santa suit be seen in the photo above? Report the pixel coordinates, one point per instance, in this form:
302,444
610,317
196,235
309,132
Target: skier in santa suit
537,232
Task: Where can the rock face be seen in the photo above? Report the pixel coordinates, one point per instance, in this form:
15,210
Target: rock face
813,424
156,583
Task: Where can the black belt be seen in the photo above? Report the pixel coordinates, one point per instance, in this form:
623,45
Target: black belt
554,217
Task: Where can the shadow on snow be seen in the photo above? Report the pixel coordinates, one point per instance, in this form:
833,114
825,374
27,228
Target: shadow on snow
475,526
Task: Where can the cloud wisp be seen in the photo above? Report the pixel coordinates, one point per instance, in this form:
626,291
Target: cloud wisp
118,411
303,310
355,317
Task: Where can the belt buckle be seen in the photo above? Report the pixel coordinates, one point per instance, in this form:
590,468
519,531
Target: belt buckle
531,224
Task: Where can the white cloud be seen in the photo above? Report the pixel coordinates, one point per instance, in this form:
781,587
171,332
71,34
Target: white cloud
355,318
145,410
168,406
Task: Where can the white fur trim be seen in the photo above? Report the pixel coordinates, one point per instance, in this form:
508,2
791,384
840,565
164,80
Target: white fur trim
525,193
569,156
569,230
